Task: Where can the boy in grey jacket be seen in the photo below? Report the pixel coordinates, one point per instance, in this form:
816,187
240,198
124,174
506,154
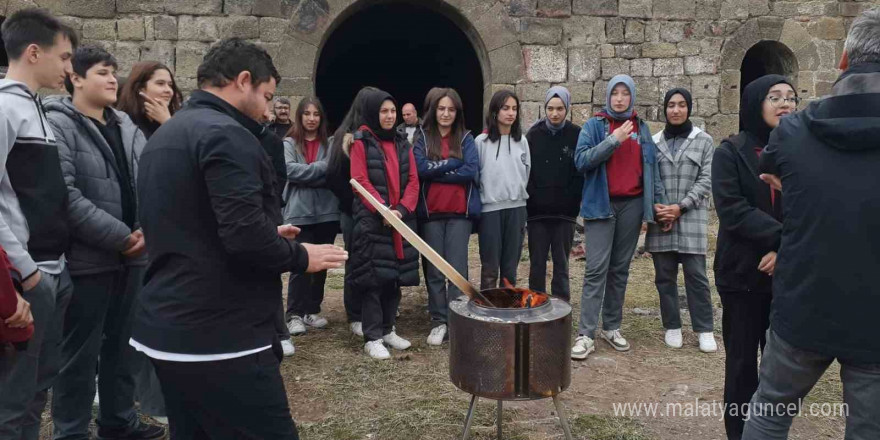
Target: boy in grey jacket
99,149
33,207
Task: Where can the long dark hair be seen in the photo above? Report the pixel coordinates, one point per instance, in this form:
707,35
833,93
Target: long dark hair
349,124
433,139
498,100
131,102
298,133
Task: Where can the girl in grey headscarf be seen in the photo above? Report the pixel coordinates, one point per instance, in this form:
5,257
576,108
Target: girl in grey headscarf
554,192
622,184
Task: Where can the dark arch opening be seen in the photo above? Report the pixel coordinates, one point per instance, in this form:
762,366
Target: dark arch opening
404,49
767,57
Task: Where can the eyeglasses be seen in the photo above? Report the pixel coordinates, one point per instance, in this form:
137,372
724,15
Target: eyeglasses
778,101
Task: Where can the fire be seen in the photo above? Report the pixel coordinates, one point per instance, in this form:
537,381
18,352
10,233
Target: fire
528,298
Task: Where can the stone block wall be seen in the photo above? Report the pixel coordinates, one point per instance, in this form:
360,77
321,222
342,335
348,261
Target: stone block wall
524,45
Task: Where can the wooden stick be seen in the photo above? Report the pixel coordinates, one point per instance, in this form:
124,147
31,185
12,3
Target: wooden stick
441,264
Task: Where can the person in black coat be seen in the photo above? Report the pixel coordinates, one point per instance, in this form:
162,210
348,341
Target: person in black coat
210,216
555,189
825,292
750,217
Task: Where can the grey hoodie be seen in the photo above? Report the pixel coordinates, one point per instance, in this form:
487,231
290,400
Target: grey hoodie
504,172
98,233
308,201
33,196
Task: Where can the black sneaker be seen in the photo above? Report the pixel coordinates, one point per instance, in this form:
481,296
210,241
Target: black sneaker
140,431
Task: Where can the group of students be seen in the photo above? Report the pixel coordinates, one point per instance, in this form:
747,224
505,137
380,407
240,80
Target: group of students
447,184
612,172
228,206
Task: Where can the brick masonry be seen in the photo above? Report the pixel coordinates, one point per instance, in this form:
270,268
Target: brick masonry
525,45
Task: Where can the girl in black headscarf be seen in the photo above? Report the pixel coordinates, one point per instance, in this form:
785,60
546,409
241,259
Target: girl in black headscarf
750,218
381,261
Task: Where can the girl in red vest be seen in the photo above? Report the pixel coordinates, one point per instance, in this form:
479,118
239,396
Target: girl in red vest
381,261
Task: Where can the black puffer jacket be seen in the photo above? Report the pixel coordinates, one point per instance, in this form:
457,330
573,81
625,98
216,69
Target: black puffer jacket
373,259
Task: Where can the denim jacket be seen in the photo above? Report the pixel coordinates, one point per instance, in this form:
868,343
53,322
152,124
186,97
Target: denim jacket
595,146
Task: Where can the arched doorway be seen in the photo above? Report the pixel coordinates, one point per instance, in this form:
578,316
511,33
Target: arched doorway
404,48
767,57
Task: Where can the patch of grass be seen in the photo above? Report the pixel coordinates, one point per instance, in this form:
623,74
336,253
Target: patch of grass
596,427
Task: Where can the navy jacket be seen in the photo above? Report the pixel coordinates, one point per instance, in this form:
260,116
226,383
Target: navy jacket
453,170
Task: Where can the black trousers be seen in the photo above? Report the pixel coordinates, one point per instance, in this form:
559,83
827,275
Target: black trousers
305,292
242,398
379,310
351,300
744,325
550,237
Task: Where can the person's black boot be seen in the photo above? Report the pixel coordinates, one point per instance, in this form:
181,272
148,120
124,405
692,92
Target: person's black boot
138,431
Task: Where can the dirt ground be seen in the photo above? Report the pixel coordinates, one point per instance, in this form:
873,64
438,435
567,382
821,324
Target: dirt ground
337,393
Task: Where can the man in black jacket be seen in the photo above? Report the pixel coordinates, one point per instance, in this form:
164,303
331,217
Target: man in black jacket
209,212
825,285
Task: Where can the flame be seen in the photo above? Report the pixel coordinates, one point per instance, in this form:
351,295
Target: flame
528,298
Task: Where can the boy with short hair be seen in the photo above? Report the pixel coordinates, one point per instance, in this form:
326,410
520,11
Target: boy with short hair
33,210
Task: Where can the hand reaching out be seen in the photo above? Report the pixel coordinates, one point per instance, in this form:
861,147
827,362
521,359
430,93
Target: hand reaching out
324,256
773,180
289,232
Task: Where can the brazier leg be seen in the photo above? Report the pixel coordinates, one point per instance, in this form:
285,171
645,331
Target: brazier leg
498,420
563,418
469,418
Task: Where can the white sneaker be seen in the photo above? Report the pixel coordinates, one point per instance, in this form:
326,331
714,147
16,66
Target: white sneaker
160,420
376,350
315,321
583,346
288,348
296,326
707,342
357,328
437,335
615,339
673,337
396,342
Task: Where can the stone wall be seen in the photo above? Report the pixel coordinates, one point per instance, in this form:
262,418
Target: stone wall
525,45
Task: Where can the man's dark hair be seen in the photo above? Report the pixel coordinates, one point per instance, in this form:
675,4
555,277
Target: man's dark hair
228,58
33,26
84,58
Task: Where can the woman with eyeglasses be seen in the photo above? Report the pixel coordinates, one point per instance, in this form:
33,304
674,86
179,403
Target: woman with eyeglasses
750,215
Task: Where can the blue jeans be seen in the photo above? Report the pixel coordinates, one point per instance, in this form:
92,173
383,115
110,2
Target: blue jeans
787,376
26,376
97,324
